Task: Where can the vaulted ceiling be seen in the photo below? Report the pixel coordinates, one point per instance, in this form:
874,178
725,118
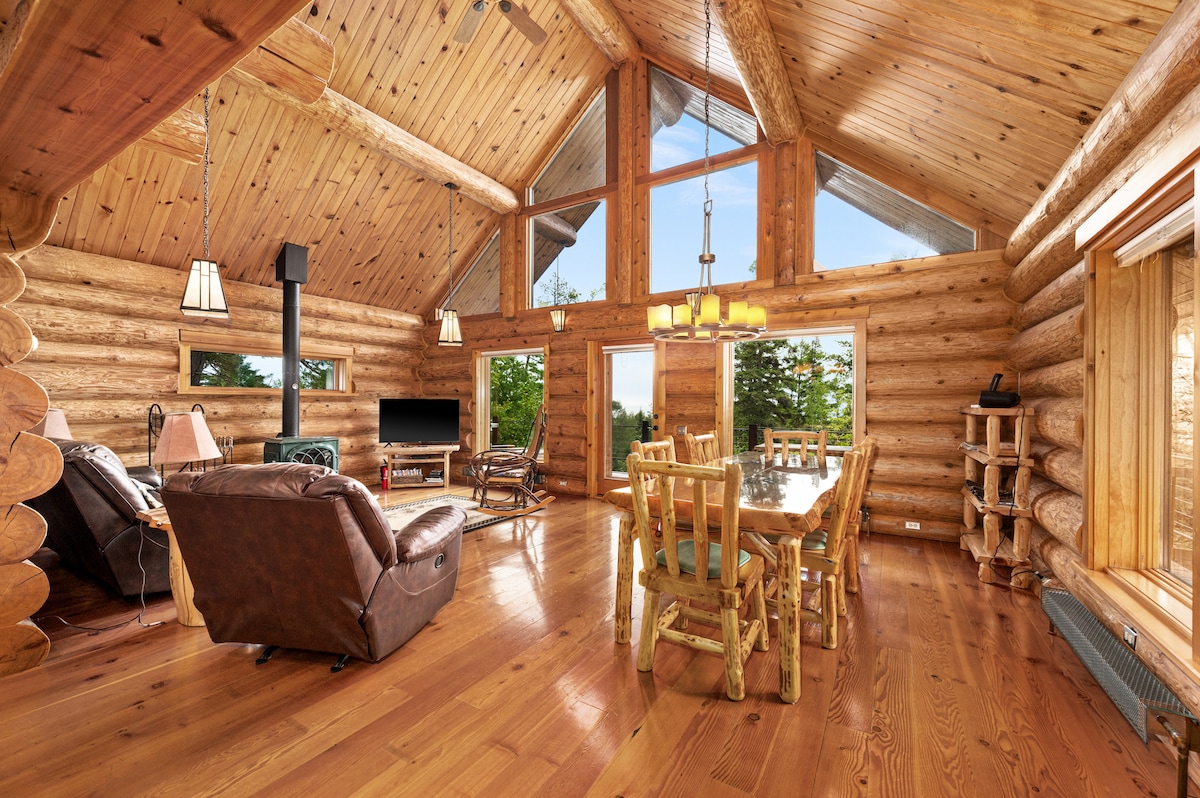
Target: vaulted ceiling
971,105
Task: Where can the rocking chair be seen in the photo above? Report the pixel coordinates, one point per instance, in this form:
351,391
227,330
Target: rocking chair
505,481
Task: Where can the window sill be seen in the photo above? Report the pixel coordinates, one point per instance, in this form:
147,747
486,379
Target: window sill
1163,638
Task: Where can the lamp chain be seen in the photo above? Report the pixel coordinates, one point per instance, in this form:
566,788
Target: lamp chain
206,255
450,245
707,93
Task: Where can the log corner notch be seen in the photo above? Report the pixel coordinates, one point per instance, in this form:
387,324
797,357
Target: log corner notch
756,52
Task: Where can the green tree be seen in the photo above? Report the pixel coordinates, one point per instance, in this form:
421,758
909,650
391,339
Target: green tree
316,375
226,370
516,389
794,384
553,290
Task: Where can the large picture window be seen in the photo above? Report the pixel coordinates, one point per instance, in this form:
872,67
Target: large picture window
678,182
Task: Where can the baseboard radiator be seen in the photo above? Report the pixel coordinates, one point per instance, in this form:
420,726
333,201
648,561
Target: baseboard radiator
1128,682
1134,690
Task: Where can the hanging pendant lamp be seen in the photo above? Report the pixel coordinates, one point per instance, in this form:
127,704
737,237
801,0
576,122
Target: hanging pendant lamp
699,317
203,295
450,333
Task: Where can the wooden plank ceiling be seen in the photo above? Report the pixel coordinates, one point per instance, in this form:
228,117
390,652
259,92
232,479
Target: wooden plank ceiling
979,101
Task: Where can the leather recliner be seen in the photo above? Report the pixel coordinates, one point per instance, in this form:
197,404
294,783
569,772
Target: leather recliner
91,520
294,555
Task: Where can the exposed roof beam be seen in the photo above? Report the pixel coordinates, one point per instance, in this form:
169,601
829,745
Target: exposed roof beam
601,23
295,59
756,54
1167,70
180,135
81,81
364,126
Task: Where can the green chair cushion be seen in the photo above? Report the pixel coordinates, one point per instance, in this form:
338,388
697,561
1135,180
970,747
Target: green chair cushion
687,558
815,541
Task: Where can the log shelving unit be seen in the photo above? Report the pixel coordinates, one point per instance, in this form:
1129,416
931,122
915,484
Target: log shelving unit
996,491
427,458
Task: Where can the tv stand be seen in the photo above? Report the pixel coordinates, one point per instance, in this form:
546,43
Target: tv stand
423,462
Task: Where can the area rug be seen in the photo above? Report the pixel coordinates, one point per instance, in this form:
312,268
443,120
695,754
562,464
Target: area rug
401,514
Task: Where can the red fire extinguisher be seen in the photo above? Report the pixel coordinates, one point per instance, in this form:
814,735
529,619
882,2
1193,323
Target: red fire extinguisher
383,476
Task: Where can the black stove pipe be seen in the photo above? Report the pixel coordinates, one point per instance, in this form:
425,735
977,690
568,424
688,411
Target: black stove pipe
291,268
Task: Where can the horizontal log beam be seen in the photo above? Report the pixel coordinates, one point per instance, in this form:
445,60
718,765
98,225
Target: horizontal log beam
1064,293
1053,341
1058,379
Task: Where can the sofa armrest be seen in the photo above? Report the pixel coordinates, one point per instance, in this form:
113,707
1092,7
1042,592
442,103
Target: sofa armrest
147,475
428,533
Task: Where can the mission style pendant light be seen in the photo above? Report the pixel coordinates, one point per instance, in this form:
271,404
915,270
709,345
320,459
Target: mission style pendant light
203,295
699,317
450,333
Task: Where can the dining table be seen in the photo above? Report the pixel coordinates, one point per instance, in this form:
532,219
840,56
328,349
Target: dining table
781,502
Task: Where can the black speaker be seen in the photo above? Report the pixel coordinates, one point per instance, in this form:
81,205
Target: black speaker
292,263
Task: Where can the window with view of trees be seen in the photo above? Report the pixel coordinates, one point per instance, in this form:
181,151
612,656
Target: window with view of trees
516,387
220,362
230,370
794,383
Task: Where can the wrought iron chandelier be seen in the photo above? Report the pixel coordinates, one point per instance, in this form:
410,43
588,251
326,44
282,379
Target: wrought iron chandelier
698,318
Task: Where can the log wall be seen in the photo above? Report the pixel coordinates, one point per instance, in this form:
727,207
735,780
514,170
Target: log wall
936,330
109,348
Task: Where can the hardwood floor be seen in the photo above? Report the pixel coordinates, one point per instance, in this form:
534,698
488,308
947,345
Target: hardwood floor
942,686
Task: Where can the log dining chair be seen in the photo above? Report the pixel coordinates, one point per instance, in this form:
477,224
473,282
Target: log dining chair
868,449
823,554
654,450
787,438
696,568
703,448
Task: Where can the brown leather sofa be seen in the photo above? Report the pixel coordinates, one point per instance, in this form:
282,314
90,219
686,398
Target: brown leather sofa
91,520
297,556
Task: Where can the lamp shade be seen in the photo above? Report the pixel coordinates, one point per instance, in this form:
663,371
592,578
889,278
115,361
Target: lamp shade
203,295
558,318
53,425
185,439
451,332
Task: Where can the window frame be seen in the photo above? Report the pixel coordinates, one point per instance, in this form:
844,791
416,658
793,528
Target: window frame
244,343
482,419
1126,393
814,324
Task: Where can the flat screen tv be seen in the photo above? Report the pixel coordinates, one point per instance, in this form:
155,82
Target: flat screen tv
418,421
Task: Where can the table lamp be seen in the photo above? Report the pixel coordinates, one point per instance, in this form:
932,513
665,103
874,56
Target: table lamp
185,439
53,425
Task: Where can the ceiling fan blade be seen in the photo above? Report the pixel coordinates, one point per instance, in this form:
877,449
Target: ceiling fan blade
466,29
522,22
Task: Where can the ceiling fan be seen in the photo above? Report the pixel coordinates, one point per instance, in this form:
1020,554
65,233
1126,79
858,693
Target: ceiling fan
516,15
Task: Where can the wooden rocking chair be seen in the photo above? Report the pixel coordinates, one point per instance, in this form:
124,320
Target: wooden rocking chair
506,481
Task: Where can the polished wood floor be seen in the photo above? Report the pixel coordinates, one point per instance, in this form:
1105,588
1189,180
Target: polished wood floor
942,687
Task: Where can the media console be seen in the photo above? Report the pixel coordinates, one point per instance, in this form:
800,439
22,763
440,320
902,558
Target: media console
419,465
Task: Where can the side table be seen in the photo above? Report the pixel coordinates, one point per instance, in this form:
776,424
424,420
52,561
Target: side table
181,584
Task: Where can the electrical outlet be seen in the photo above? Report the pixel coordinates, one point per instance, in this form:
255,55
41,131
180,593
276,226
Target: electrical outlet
562,483
912,525
681,429
1130,636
